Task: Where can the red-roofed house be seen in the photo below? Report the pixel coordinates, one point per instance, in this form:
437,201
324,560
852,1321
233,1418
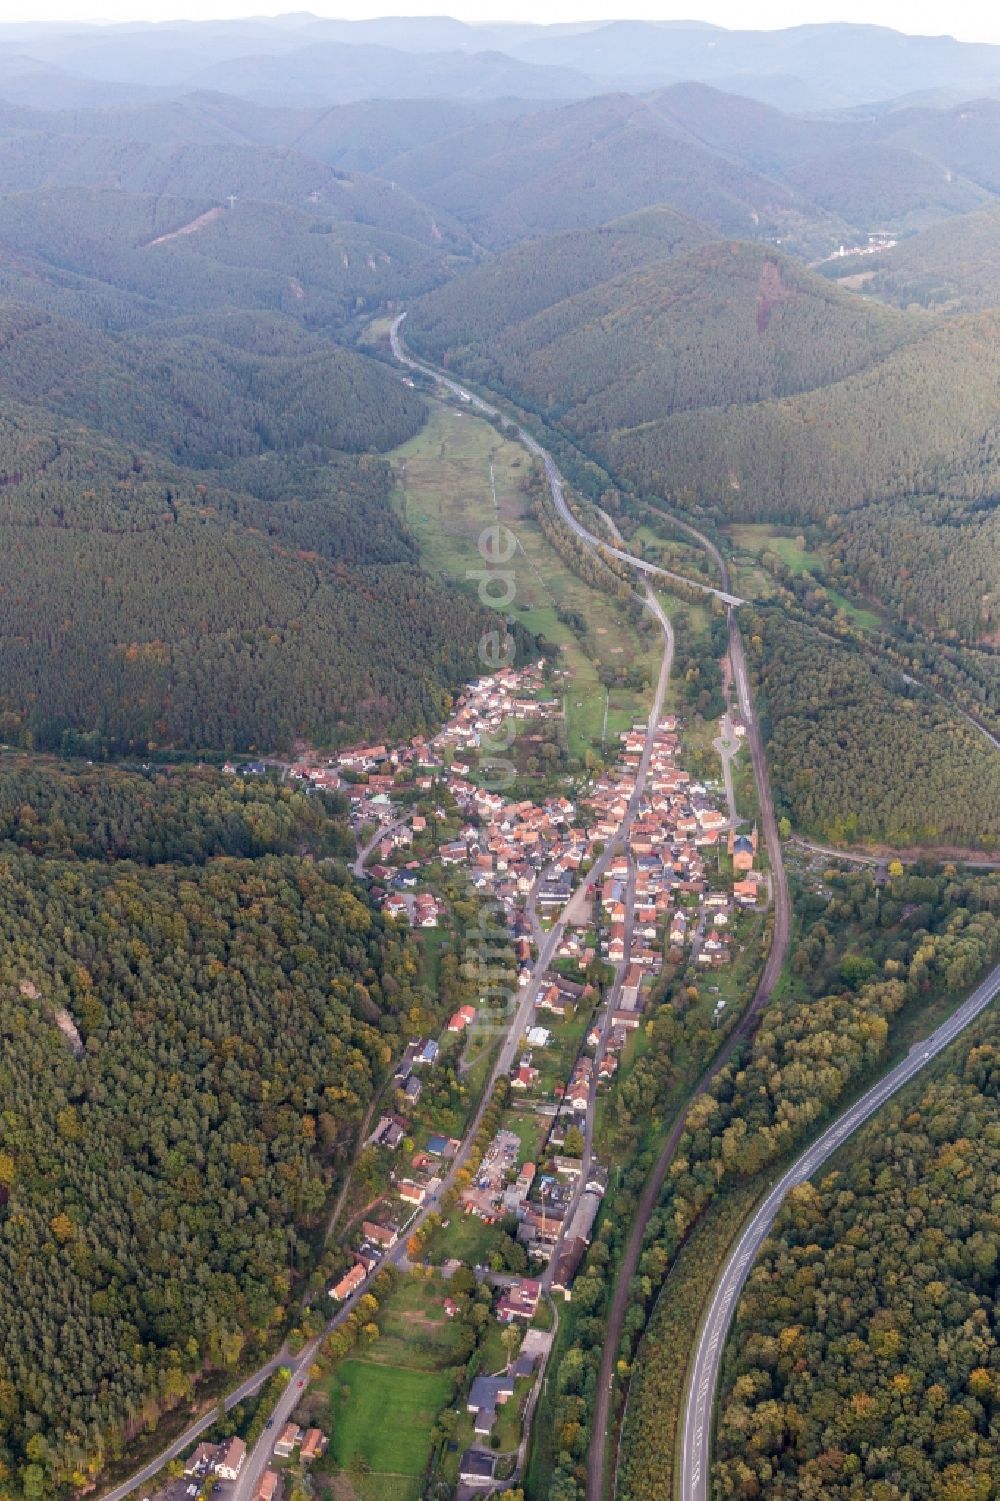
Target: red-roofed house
520,1301
349,1283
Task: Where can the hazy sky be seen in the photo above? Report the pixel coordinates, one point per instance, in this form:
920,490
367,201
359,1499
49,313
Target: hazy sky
971,20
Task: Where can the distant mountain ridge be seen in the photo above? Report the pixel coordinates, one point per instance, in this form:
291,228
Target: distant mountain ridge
452,174
308,59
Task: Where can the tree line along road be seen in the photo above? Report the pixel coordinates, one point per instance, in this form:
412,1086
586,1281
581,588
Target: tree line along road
697,1421
597,1456
299,1365
707,1359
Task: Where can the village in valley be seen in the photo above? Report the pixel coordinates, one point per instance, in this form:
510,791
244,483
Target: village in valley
558,912
681,893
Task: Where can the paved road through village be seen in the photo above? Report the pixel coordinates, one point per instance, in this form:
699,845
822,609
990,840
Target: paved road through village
698,1418
700,1397
257,1461
597,1457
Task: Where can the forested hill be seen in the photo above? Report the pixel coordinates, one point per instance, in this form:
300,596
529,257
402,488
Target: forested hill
444,171
209,391
741,167
726,376
854,760
490,301
864,1357
925,418
187,1048
146,604
951,267
41,159
198,545
359,137
121,260
727,324
586,163
316,61
177,815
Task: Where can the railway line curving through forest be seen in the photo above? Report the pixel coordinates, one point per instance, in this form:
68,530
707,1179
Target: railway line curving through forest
597,1457
706,1360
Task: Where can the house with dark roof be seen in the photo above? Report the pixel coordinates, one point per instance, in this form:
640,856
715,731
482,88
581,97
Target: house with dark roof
743,848
486,1394
476,1467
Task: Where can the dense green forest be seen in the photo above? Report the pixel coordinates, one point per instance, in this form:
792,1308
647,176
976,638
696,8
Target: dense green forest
492,300
179,816
950,266
736,164
230,386
965,138
860,958
187,1051
149,605
854,755
198,544
51,162
921,420
588,162
727,325
123,260
885,182
864,1358
931,559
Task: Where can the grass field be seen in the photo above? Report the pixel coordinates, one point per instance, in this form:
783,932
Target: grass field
355,1487
531,1128
465,1237
445,492
389,1488
758,537
385,1413
416,1331
380,1404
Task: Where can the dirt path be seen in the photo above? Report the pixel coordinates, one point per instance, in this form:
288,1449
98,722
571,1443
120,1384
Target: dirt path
203,220
881,854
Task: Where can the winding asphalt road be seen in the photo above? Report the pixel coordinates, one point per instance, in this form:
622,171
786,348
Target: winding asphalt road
696,1456
697,1432
299,1365
382,832
555,479
782,904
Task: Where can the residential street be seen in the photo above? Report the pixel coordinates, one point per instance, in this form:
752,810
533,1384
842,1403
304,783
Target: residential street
728,748
782,903
621,969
